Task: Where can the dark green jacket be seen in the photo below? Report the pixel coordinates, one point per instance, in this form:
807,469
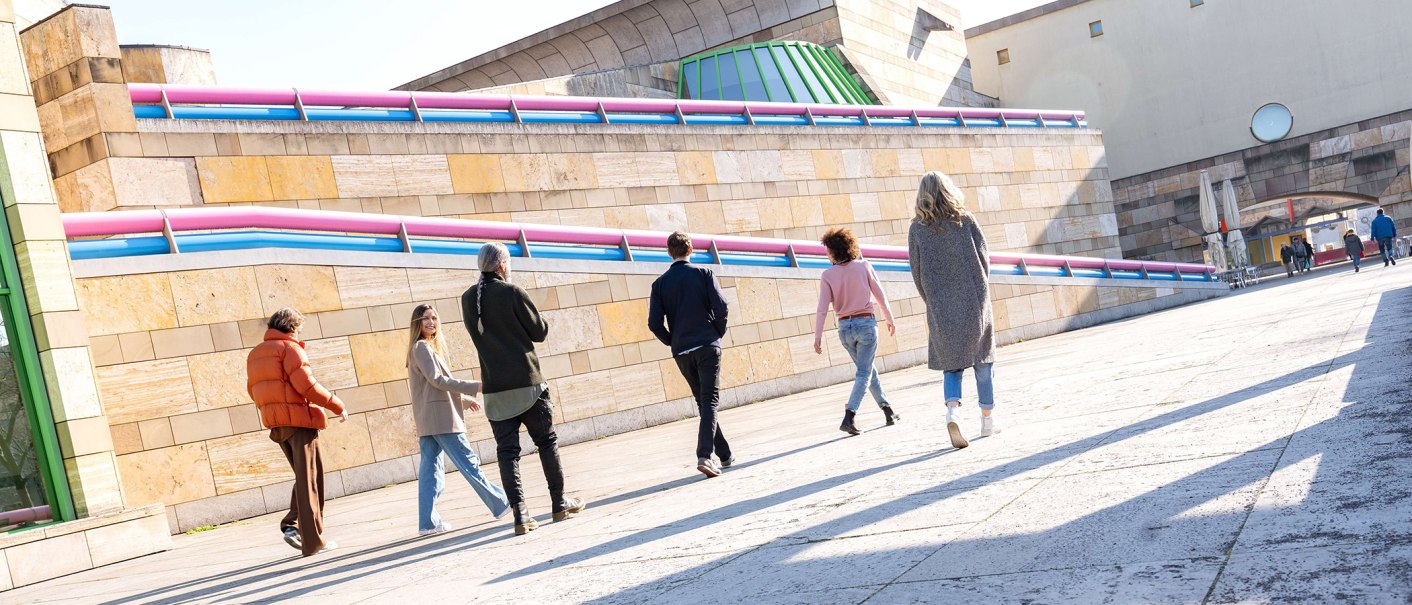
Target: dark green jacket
512,326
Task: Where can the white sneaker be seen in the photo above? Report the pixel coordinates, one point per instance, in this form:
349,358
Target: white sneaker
291,537
988,426
440,529
328,545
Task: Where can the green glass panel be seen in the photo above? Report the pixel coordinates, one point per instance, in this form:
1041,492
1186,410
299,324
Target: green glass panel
730,77
807,70
750,77
791,75
774,82
710,82
691,73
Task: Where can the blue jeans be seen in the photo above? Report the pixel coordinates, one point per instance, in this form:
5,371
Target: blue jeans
1356,258
1385,249
859,336
951,385
430,482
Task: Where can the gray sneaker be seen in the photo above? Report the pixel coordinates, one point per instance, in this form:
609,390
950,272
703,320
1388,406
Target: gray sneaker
725,464
708,467
291,537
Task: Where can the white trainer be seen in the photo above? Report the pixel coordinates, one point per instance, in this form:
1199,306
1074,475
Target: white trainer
988,426
440,529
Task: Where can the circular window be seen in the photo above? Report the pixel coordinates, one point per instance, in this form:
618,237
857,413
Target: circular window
1271,122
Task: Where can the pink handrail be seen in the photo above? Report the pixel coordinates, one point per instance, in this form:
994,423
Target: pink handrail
228,95
131,222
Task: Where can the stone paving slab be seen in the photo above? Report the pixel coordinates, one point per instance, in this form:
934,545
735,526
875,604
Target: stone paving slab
1252,448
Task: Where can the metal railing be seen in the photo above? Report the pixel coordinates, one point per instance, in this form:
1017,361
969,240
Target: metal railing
231,103
353,231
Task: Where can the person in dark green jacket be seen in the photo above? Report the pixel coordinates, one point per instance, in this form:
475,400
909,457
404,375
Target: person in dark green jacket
504,325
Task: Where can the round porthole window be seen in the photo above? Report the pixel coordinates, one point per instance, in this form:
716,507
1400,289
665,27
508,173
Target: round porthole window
1271,122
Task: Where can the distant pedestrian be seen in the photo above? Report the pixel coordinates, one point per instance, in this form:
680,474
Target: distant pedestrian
1353,246
688,313
1308,255
951,268
1301,255
504,325
1383,232
1287,259
850,286
282,385
438,409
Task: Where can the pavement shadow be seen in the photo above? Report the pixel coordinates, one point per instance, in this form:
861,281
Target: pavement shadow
1171,504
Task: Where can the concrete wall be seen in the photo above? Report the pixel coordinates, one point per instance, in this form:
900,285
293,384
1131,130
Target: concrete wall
1170,84
171,344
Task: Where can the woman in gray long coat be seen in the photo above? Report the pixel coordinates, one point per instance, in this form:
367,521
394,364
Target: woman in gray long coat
951,268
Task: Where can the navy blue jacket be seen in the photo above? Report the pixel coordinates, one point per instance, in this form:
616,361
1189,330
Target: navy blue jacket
1384,227
689,299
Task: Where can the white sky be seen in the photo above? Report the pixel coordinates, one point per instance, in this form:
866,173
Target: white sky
367,44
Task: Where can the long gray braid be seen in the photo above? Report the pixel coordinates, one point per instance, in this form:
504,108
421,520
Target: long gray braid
490,259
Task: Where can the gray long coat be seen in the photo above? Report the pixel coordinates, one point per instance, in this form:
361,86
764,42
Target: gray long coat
951,268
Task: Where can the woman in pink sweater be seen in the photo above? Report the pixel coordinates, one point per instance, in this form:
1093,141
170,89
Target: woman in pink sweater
850,286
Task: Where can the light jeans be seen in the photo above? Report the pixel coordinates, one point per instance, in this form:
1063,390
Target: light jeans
859,336
951,384
430,481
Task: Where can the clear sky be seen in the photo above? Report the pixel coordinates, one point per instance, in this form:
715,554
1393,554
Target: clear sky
367,44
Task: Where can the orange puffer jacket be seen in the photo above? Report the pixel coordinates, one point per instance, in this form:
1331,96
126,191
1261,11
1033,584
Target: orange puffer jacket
279,380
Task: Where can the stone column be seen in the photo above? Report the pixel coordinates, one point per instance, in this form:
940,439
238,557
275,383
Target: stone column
32,212
75,69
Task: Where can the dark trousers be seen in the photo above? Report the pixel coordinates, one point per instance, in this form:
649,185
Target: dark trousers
306,503
702,370
1385,249
539,423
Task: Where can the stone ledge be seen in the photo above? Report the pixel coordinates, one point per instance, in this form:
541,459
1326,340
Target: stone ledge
44,553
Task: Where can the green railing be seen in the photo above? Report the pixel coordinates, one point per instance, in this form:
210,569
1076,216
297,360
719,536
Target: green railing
788,72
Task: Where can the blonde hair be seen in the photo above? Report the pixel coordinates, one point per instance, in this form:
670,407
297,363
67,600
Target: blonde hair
938,200
491,256
437,343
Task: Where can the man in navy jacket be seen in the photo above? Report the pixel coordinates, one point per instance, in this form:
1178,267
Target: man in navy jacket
687,297
1383,232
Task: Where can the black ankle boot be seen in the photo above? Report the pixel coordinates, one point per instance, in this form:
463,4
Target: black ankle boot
524,523
847,425
891,416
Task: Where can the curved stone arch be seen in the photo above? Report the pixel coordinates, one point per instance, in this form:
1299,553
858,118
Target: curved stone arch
624,34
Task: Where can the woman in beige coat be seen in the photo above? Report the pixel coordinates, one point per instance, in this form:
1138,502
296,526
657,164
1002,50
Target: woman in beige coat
438,408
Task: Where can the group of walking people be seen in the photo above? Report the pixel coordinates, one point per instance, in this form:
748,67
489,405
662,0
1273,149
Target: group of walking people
1384,230
687,312
1297,256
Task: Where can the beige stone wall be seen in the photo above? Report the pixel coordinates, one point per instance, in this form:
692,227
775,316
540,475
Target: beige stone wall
171,346
1043,191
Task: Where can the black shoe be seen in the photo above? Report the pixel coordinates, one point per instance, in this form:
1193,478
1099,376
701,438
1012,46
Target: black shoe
524,523
847,425
570,507
891,416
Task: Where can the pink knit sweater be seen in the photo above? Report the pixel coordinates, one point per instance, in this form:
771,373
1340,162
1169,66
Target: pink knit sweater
850,288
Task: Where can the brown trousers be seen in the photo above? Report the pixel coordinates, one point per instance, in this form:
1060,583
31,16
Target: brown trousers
306,504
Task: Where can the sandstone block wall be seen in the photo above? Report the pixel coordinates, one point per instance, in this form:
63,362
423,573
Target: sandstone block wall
170,349
1042,191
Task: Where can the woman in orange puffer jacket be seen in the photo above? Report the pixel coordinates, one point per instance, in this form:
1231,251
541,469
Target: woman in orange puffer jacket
278,378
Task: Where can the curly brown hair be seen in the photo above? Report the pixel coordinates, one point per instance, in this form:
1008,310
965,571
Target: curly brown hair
843,247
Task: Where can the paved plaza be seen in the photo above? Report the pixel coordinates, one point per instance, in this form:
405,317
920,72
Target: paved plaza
1252,448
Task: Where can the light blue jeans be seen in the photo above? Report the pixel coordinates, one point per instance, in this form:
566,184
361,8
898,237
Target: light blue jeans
951,385
430,481
860,338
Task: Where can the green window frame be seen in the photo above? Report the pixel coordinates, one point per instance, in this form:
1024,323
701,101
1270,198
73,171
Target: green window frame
24,352
785,71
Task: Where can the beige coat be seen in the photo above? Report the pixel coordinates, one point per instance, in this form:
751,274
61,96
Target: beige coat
437,398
